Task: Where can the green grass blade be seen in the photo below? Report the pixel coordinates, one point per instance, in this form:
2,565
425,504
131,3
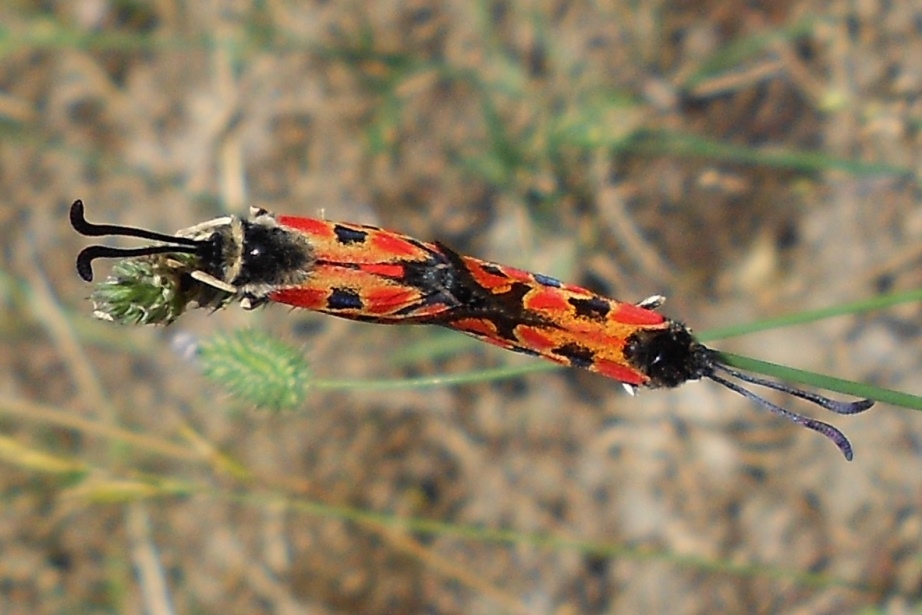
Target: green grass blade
799,318
426,382
822,381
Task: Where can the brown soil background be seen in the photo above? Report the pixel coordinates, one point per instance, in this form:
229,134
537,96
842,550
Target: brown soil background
525,132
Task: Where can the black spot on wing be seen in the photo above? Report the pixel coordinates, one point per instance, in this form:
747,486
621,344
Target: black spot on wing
595,308
344,299
523,350
346,235
494,270
577,355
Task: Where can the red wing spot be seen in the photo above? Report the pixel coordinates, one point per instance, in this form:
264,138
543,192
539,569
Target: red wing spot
631,314
619,372
307,298
393,244
384,270
486,278
428,310
485,331
535,339
311,226
387,300
475,325
509,273
547,299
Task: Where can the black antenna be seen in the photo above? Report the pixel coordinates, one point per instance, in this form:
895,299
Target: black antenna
88,229
839,407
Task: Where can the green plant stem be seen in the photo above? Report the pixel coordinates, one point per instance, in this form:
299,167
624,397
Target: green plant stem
822,381
857,307
425,382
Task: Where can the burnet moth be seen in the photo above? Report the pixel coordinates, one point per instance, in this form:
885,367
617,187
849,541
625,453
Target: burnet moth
348,270
374,275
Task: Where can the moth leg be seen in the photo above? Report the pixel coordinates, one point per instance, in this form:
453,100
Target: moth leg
251,301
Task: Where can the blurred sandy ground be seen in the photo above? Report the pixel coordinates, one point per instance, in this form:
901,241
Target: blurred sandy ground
525,132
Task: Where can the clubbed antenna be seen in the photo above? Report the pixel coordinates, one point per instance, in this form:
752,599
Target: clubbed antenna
839,407
88,255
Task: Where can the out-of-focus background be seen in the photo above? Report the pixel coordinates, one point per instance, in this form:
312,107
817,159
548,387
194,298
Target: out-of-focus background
746,159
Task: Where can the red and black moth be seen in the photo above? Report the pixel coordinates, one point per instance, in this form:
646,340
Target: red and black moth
374,275
348,270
